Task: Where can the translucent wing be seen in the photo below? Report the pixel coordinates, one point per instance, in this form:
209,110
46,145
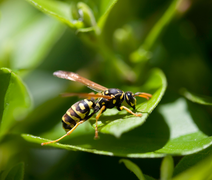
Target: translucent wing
86,95
75,77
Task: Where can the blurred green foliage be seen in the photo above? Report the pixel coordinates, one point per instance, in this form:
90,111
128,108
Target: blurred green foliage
132,45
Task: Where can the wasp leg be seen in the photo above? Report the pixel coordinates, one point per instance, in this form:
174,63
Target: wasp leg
129,111
68,133
97,118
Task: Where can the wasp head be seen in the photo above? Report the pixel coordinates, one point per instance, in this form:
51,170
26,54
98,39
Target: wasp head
130,99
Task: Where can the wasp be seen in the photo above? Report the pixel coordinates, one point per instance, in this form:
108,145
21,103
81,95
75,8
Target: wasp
106,99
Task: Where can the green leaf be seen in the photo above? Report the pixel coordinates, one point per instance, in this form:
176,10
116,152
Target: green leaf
173,131
87,14
192,160
201,170
25,43
57,9
66,13
16,173
143,52
167,167
117,123
186,137
15,101
45,31
148,177
105,8
62,11
133,167
200,99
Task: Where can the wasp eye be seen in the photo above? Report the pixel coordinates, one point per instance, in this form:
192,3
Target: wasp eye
130,99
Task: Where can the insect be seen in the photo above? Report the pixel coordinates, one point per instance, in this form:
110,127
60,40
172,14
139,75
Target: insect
106,98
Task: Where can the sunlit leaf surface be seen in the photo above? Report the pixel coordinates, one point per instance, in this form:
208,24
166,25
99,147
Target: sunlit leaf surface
116,123
64,12
169,130
57,9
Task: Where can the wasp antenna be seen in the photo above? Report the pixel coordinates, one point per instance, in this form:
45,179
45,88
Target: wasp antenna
143,95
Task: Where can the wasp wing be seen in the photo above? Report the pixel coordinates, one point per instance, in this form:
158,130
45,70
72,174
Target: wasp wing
86,95
75,77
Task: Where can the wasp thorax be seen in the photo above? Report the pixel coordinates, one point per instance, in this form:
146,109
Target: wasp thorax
130,99
114,93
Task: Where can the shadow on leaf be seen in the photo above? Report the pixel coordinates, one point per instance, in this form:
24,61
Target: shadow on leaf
149,137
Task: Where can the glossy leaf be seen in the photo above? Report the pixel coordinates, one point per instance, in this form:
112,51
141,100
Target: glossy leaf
116,124
15,100
200,99
57,9
185,134
65,12
173,132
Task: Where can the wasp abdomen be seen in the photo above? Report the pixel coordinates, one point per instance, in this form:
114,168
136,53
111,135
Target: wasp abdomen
70,120
77,112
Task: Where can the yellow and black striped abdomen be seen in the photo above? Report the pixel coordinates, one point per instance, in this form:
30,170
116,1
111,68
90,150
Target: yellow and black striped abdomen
77,112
